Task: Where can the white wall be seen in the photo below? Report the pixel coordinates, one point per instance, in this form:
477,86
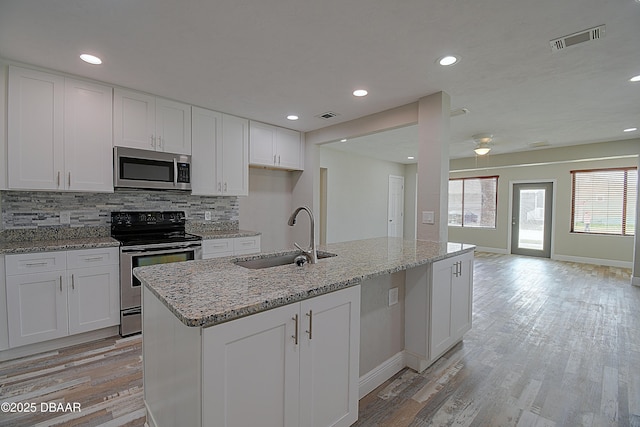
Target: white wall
357,195
410,193
599,249
267,208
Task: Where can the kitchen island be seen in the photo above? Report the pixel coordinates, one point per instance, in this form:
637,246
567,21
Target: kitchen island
226,345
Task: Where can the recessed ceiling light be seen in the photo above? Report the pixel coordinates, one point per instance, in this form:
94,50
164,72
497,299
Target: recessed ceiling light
292,117
410,157
635,79
630,130
448,60
91,59
343,140
360,92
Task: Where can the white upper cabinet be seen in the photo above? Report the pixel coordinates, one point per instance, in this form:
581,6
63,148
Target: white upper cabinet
220,144
151,123
59,133
275,147
87,136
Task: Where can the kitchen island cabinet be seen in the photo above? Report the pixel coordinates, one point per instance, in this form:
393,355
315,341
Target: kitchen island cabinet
219,337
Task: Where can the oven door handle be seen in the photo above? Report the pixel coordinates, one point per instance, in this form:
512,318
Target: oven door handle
161,251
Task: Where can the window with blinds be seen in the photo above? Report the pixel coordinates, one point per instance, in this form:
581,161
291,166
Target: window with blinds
604,201
473,202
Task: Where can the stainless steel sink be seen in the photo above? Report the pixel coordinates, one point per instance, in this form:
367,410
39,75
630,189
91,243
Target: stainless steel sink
276,260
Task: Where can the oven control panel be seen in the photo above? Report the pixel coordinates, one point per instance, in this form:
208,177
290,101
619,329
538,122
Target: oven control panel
127,219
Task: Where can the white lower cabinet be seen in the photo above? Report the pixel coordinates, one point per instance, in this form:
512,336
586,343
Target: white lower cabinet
218,248
295,365
45,300
438,308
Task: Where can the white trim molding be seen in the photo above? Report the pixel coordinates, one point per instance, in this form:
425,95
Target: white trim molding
381,373
596,261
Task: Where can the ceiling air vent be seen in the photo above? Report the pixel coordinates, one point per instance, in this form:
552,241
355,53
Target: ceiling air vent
581,37
328,115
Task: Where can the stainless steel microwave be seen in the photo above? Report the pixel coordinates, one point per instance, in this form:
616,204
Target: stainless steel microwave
134,168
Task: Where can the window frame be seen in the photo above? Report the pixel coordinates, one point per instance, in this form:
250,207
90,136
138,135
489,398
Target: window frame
625,182
495,223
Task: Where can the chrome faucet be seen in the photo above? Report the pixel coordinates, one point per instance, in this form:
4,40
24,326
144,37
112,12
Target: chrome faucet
311,253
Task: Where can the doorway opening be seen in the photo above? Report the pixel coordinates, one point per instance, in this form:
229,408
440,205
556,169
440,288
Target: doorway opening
323,206
531,219
396,206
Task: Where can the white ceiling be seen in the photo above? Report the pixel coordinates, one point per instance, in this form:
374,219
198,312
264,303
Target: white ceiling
265,59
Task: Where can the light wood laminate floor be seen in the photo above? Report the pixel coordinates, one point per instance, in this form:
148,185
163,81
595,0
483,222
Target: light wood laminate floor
552,344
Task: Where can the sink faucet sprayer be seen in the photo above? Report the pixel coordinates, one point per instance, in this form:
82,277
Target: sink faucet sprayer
311,252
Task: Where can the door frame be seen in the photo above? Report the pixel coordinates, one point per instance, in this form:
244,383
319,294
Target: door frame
399,178
554,186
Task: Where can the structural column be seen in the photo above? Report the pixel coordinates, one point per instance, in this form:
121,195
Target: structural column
433,167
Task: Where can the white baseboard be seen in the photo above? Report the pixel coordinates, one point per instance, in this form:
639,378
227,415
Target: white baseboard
596,261
491,250
381,373
52,345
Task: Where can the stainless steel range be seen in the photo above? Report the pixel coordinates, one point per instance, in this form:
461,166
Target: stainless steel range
148,238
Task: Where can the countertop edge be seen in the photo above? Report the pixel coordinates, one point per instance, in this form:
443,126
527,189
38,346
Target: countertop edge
247,310
33,246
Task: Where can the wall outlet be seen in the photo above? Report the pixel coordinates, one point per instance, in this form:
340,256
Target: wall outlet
428,217
65,217
393,296
207,215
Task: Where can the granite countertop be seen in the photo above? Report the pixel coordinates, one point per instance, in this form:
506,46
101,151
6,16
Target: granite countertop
224,234
208,292
21,247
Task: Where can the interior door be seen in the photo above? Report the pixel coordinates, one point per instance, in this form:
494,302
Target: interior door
396,206
531,219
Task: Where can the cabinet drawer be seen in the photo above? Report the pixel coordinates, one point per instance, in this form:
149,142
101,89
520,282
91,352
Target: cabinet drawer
35,262
92,257
216,248
246,245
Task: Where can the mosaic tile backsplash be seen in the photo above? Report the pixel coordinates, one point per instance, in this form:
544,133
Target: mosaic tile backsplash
31,212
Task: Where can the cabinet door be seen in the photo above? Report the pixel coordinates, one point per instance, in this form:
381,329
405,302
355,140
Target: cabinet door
94,300
288,149
440,337
462,296
173,126
206,132
36,307
262,138
329,359
134,120
251,371
35,130
87,137
233,156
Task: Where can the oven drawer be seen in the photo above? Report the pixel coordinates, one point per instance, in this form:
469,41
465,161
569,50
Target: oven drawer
93,257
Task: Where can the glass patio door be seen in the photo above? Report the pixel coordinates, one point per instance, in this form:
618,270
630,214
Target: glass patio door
531,219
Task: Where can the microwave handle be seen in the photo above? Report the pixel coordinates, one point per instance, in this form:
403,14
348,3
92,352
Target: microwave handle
175,172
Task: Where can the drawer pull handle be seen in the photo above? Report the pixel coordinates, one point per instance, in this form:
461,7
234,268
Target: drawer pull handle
310,331
295,336
95,258
35,264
